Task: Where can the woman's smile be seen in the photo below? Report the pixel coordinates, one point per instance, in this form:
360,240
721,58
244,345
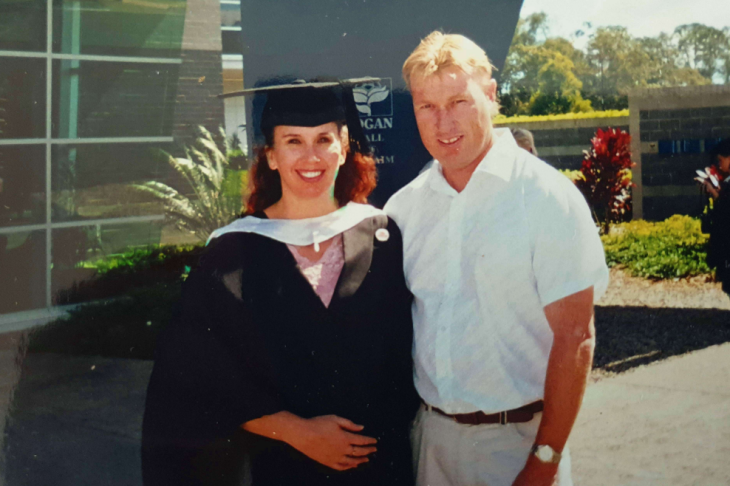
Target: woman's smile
311,175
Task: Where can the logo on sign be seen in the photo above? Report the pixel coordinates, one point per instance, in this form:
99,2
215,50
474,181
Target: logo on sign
373,99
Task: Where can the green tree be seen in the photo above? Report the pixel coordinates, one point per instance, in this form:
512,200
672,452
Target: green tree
704,48
546,75
664,68
539,74
617,64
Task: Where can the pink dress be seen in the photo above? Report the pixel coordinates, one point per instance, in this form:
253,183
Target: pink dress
323,273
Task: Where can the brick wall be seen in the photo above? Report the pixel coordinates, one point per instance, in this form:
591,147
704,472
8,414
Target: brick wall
675,129
200,82
201,78
561,143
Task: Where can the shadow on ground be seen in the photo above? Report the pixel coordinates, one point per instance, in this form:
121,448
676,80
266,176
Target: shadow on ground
627,337
76,419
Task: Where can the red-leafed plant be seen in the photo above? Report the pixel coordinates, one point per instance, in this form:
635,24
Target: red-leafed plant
606,180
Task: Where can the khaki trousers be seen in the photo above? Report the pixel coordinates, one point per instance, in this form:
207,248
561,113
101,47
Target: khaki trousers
446,453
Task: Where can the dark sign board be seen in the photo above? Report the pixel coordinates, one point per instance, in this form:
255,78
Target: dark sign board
357,38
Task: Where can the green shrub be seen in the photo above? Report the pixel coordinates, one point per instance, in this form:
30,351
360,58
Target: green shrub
503,120
141,259
673,248
121,328
129,301
121,273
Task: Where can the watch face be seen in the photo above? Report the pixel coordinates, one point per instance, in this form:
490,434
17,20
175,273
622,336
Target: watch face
546,454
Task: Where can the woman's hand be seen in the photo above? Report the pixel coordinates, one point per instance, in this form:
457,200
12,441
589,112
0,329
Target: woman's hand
333,441
330,440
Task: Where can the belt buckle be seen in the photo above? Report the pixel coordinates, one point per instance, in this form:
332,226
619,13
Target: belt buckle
503,418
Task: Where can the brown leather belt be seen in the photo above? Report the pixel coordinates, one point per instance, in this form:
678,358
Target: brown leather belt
516,416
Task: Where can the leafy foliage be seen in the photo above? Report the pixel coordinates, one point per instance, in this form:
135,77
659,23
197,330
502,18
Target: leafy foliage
141,287
217,190
573,175
606,176
549,75
539,77
674,248
121,273
705,49
502,120
141,259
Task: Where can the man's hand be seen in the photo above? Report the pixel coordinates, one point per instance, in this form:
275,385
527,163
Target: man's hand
536,473
330,440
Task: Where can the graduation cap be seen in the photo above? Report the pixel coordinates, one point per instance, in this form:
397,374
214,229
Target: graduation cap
310,104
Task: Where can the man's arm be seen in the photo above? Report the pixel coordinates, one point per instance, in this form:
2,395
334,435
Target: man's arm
571,358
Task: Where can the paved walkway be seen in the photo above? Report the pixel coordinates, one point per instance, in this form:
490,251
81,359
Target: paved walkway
666,424
76,422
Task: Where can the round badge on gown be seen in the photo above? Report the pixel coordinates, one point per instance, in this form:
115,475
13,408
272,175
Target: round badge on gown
382,234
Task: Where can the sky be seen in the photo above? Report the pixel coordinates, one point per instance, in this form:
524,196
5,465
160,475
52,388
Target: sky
643,18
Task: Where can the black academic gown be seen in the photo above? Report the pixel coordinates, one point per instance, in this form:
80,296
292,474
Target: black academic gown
718,254
252,338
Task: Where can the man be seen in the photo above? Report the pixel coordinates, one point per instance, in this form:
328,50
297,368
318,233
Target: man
504,262
524,139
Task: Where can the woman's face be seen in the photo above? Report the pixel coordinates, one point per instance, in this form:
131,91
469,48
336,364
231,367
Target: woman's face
307,158
723,163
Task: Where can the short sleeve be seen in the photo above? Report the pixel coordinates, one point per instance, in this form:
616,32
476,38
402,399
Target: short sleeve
567,251
395,209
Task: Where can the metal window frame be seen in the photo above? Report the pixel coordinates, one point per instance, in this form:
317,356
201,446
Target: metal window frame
20,320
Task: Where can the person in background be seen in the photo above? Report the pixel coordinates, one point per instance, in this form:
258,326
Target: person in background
718,220
504,262
524,139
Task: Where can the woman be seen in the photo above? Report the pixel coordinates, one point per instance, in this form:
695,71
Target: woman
291,348
718,221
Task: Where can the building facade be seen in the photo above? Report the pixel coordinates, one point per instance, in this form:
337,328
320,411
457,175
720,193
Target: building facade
90,92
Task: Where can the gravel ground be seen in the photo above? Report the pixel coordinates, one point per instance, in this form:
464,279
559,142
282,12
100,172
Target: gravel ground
693,293
640,321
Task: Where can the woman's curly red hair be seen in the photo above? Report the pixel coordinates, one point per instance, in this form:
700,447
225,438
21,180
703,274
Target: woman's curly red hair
355,181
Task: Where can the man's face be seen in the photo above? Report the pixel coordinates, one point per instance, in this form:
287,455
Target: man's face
453,114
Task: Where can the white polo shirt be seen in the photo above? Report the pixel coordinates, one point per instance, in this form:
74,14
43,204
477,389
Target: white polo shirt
482,264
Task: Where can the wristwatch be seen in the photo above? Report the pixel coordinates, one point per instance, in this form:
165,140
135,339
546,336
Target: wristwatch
546,454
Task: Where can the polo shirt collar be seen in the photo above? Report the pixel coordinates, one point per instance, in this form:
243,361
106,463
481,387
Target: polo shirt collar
498,162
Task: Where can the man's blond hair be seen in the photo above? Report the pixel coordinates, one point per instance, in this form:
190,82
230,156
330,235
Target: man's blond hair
439,51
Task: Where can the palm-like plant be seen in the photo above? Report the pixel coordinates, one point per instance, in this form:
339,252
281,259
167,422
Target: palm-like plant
217,191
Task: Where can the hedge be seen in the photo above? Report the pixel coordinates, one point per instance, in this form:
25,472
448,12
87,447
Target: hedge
674,248
502,120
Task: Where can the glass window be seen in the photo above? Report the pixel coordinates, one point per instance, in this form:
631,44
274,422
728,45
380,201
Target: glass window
231,14
23,25
23,275
75,250
151,28
22,185
96,181
22,98
232,42
105,99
